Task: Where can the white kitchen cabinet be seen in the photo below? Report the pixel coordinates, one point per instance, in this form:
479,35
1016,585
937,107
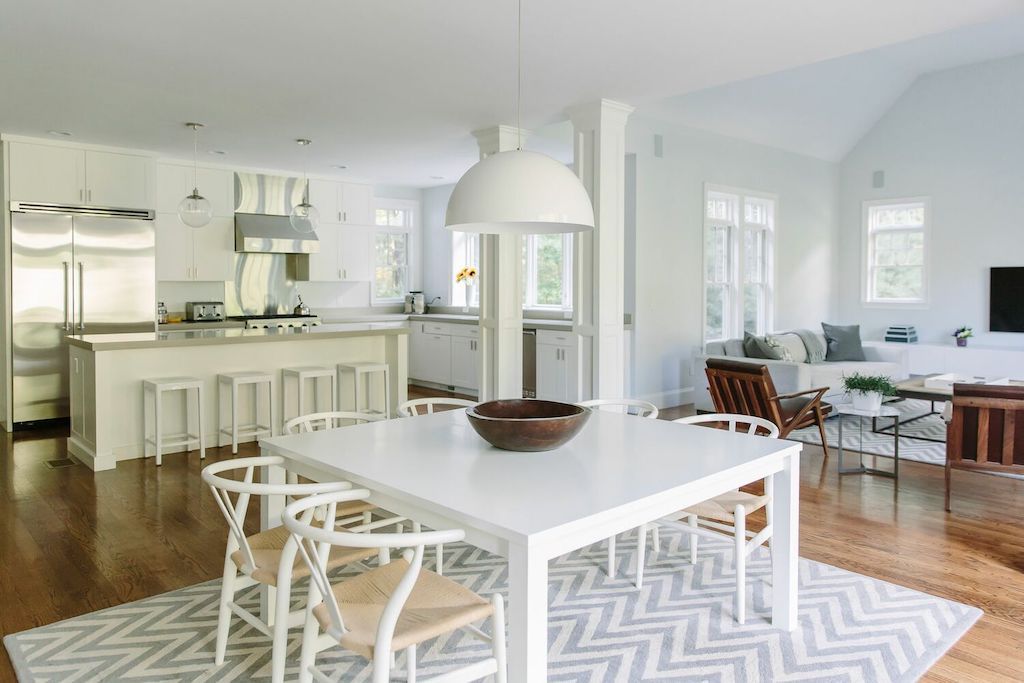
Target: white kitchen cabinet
430,356
465,363
344,254
346,203
323,264
356,204
118,180
194,254
46,173
69,175
213,250
325,195
557,360
175,181
355,253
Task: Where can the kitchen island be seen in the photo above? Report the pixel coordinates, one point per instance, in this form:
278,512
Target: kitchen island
107,371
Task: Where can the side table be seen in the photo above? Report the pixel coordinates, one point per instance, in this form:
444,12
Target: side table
844,409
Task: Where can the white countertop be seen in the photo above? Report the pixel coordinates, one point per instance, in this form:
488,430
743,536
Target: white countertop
207,337
469,319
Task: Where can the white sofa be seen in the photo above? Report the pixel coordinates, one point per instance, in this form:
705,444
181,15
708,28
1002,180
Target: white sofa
789,376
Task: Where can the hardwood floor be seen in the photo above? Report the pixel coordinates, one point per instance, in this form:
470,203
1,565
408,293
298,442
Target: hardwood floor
73,542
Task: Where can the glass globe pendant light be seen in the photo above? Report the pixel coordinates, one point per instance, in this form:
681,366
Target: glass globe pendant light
195,210
517,192
305,218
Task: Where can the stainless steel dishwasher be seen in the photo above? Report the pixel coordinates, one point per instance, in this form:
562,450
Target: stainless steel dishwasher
529,363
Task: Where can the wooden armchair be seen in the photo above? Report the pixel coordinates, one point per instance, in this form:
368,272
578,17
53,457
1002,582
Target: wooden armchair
983,433
747,389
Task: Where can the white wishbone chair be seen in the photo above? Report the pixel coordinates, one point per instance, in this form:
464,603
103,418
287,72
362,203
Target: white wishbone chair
356,515
268,557
728,512
639,408
412,407
387,609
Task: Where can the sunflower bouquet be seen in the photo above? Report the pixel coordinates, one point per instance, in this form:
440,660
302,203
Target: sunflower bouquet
467,275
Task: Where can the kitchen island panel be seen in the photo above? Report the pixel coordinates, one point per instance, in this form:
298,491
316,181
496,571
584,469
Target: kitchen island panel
106,383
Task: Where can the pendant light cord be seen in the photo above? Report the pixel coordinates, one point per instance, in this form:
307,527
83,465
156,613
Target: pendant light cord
195,159
519,73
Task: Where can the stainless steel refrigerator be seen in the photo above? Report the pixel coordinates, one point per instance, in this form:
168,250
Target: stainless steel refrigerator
75,270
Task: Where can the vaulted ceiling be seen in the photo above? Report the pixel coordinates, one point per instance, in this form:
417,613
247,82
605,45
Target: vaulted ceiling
392,89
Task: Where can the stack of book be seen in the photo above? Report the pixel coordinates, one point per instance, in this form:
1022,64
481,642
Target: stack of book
905,334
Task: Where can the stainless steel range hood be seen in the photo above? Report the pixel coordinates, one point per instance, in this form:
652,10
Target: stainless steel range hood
266,234
262,205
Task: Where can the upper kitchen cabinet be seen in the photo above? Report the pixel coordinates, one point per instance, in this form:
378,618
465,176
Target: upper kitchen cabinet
118,180
344,254
184,254
54,174
325,195
356,204
47,174
175,181
346,203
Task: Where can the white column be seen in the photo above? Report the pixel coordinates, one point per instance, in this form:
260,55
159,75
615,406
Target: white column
598,289
501,299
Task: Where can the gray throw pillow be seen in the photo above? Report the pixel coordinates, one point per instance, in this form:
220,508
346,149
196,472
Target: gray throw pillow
761,347
843,342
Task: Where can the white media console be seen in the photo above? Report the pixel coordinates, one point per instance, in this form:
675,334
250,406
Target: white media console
981,361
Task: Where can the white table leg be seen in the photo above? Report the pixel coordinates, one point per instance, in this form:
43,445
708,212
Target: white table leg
270,516
785,509
528,615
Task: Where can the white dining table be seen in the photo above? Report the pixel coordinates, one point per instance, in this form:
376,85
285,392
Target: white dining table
618,473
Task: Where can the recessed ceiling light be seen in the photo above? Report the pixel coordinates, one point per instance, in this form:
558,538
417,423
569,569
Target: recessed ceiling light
62,133
218,152
437,177
341,167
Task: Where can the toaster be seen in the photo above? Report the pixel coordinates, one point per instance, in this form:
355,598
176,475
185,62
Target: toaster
204,311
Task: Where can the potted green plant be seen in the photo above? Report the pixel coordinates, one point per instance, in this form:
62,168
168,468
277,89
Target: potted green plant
962,334
867,391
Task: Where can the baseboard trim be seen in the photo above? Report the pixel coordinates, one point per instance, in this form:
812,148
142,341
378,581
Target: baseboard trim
670,399
87,456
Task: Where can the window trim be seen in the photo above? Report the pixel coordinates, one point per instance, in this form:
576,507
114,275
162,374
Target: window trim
865,255
737,258
409,230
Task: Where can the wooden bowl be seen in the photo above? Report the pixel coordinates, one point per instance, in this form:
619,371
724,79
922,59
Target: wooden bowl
527,424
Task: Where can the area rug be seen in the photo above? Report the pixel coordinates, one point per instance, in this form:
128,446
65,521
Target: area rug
680,627
918,450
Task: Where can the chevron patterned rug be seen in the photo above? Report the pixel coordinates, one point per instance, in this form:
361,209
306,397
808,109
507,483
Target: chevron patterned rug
918,450
679,628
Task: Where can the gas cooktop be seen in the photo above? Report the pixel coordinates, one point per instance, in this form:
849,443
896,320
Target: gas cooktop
274,316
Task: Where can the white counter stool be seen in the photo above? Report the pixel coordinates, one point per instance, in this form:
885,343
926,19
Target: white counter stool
361,372
228,384
152,394
294,382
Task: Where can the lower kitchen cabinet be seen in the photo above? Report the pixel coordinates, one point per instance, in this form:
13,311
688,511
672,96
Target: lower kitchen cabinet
448,354
465,363
430,356
557,366
445,353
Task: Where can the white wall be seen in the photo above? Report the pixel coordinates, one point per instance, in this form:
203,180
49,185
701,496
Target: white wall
956,136
437,244
669,222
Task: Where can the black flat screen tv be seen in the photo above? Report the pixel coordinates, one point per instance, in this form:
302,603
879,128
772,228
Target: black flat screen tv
1006,300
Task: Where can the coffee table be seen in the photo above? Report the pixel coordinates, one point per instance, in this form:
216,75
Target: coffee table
843,409
915,388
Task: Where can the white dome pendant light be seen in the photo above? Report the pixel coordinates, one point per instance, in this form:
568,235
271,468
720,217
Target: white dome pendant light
517,192
195,210
305,217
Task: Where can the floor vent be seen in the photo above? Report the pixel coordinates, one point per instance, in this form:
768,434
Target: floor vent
63,462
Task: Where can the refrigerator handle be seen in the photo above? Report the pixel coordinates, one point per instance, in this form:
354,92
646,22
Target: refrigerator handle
67,297
81,295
